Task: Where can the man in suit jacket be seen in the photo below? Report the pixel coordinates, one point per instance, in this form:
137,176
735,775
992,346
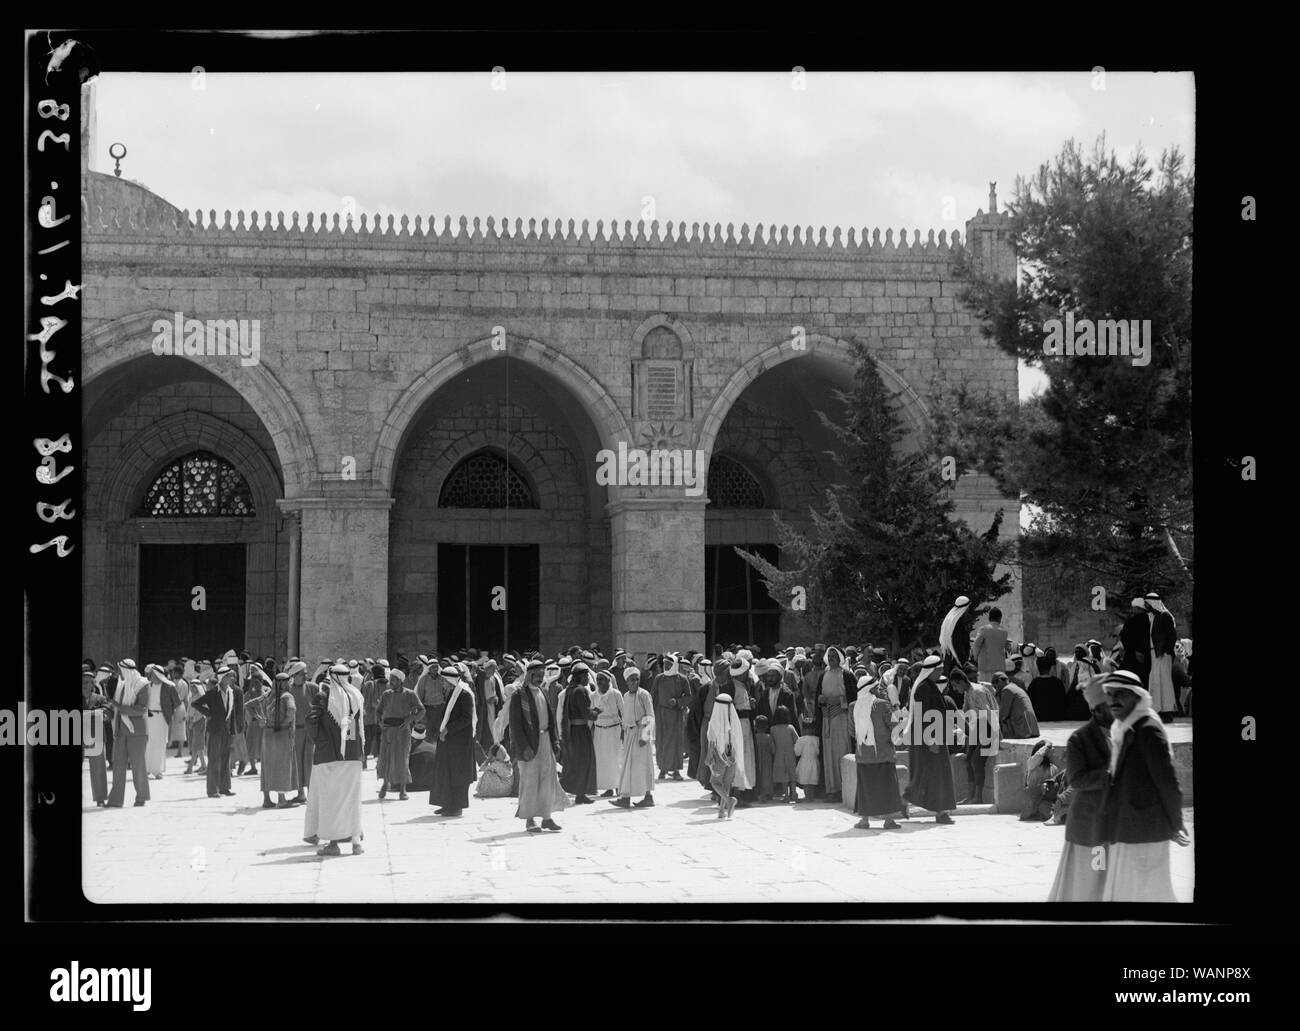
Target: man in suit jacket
772,694
224,708
1016,717
130,700
1143,807
990,648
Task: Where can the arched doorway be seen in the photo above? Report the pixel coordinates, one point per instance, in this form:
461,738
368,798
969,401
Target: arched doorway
499,536
772,454
185,551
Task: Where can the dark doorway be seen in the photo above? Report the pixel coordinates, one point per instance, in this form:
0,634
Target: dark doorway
737,607
169,625
469,576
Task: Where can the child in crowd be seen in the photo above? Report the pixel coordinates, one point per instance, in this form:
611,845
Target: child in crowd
808,750
764,755
784,738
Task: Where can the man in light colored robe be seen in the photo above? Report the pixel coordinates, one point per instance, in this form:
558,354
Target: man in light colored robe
637,773
671,692
532,737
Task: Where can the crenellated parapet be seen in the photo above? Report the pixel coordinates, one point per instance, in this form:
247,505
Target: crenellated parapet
446,230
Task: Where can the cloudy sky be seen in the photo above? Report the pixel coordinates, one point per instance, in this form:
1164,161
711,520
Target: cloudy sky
913,151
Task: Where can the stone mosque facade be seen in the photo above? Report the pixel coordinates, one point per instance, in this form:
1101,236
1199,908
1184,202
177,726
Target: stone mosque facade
411,463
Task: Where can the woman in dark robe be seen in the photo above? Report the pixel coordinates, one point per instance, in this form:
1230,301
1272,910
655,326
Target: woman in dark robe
453,763
930,783
579,776
694,726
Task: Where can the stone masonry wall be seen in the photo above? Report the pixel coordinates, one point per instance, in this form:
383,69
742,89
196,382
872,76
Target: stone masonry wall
359,328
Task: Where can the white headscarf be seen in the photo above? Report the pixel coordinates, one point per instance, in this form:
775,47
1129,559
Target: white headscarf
950,624
344,704
670,665
461,685
890,678
725,732
129,683
903,729
1140,711
863,728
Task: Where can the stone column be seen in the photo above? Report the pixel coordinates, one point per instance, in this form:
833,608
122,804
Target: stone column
295,539
343,575
658,573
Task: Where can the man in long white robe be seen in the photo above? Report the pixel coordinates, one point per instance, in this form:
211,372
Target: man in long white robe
637,771
333,811
608,734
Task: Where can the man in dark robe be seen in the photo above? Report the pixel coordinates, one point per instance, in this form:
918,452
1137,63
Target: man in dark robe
700,672
1047,693
1142,810
812,676
433,692
224,708
489,692
304,695
930,783
1016,717
421,759
1135,637
671,693
579,776
621,661
1087,772
453,767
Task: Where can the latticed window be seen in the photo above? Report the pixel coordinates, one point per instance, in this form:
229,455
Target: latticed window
200,484
731,485
485,480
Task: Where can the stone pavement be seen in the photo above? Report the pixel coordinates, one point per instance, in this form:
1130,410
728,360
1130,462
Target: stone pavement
185,848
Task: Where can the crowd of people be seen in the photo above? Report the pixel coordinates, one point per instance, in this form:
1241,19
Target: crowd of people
577,727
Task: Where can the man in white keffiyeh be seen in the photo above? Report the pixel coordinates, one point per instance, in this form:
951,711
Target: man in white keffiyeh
130,735
333,810
1142,811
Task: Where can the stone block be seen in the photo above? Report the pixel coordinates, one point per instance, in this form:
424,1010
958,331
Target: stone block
1008,787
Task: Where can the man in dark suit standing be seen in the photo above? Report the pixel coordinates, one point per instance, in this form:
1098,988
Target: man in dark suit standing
1143,807
224,708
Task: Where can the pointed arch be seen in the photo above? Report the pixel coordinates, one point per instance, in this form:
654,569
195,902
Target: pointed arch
129,339
605,415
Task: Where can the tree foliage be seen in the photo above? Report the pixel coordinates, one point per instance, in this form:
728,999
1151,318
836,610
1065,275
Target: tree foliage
1104,454
883,560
